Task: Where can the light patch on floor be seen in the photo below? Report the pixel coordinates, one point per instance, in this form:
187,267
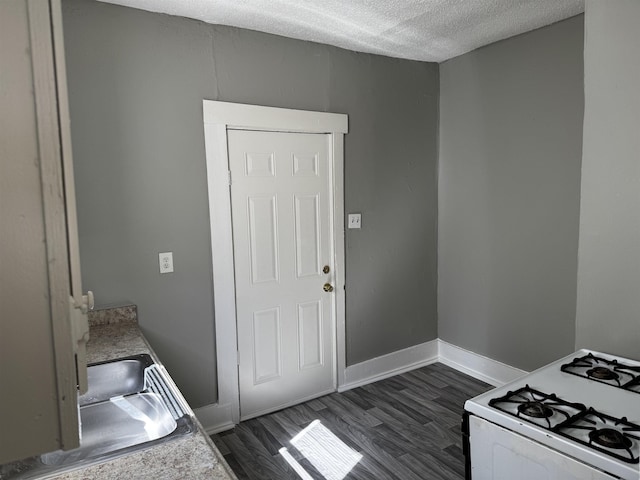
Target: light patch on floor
326,452
299,469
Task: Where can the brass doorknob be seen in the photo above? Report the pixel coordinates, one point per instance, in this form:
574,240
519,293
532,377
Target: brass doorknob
327,287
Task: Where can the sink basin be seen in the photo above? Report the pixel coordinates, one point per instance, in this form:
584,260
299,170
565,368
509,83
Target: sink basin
131,403
118,423
114,378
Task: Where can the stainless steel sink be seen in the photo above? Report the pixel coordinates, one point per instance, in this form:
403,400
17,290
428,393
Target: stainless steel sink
131,403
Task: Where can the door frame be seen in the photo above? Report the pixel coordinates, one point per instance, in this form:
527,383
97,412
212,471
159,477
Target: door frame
219,117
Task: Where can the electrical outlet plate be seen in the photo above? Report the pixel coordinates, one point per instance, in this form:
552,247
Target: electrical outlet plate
354,220
166,262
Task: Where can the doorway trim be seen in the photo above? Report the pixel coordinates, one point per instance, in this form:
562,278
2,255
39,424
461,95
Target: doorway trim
219,117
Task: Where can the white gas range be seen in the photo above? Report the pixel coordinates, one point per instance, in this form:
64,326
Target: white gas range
577,418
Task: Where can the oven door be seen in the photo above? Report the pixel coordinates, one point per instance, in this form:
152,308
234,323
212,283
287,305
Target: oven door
500,454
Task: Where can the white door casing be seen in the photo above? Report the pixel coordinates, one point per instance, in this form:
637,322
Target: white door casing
282,243
219,118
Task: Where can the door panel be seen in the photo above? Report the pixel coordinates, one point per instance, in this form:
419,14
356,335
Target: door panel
310,330
267,356
282,239
263,239
307,235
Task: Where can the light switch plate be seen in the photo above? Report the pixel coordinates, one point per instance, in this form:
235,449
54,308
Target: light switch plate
354,220
166,262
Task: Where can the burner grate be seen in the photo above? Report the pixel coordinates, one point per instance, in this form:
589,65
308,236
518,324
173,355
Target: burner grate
544,410
609,372
614,436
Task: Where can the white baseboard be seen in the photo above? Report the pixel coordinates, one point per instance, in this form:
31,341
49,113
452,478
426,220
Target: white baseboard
214,418
388,365
483,368
217,418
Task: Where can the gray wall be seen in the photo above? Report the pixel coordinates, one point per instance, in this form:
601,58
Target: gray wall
608,309
510,151
136,84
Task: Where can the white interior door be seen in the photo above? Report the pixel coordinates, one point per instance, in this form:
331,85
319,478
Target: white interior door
283,253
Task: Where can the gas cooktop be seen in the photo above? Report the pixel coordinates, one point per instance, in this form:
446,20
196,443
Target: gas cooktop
610,435
585,405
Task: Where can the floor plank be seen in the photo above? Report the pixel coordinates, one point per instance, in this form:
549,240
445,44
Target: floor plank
405,427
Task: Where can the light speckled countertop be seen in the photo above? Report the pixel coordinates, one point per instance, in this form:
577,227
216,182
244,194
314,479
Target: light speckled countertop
116,334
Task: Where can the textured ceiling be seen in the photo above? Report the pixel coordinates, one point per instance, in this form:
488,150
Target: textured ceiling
428,30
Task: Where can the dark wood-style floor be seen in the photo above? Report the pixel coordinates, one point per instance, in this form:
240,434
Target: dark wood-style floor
406,427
